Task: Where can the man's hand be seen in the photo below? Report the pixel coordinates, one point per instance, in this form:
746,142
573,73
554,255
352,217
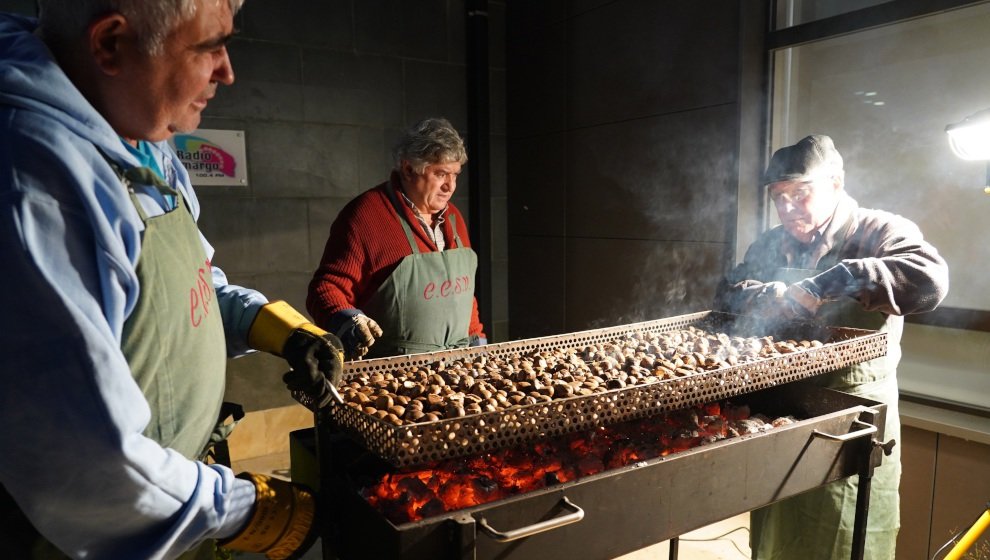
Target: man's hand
283,525
803,301
765,298
788,303
317,361
358,334
778,301
316,356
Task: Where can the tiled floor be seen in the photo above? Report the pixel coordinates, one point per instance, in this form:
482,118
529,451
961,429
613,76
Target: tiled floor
707,543
726,540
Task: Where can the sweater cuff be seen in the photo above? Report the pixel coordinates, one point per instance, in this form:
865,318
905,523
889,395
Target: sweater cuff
340,318
833,283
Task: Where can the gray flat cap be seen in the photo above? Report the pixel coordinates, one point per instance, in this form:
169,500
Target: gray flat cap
812,155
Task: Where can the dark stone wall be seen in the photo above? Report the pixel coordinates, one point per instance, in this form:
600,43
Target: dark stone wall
322,89
623,159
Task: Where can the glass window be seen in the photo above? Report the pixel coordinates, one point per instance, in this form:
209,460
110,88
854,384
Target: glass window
796,12
885,97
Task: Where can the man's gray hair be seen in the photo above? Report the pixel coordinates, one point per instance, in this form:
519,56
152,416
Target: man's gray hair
67,20
429,141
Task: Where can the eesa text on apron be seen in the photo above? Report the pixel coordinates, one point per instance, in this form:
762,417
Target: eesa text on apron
425,304
174,343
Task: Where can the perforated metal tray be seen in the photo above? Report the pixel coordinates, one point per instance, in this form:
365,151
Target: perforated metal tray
410,444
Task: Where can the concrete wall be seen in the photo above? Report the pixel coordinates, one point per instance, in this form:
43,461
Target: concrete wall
322,90
623,152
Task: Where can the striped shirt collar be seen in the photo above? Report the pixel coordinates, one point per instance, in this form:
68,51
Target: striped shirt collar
436,232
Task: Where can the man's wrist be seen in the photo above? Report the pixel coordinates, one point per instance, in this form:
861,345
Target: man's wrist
807,300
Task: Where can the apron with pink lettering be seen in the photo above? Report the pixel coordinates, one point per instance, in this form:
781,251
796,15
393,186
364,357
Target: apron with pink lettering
174,339
425,304
174,343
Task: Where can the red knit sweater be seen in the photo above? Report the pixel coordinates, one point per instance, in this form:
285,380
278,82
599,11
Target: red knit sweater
365,245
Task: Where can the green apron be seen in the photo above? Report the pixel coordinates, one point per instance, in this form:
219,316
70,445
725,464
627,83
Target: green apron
173,341
819,524
425,304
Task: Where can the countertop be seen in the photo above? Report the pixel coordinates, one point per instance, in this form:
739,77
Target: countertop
957,423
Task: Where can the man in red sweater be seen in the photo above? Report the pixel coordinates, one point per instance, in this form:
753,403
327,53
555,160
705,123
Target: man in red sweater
397,273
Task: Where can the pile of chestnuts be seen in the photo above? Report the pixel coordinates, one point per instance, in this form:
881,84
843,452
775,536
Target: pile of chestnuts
452,389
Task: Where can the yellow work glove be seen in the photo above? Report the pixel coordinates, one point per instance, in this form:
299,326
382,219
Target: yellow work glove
282,525
315,356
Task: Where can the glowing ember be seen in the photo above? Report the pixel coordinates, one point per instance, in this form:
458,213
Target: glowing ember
425,491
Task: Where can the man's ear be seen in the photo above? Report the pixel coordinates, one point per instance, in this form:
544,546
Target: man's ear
406,171
107,36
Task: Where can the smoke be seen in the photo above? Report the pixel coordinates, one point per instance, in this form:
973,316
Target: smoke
668,215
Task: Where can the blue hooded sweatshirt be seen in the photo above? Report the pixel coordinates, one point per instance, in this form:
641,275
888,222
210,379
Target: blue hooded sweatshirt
72,453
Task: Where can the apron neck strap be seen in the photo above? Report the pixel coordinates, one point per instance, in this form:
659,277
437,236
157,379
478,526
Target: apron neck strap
141,176
453,227
402,219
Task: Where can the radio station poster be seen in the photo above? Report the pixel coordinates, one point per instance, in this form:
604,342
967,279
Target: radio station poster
213,157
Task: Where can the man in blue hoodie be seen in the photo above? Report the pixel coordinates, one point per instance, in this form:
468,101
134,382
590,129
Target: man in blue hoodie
116,327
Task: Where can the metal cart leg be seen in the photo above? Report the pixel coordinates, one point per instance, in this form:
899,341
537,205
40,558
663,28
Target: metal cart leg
862,514
872,445
672,552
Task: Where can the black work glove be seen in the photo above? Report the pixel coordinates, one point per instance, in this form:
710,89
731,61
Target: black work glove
765,300
317,361
789,303
802,300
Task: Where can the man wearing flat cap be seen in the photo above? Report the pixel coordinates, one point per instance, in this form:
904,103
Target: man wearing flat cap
832,262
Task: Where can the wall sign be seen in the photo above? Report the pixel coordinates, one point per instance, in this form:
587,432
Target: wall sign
213,157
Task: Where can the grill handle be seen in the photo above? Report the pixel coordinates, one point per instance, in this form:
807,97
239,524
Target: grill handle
577,514
310,403
863,432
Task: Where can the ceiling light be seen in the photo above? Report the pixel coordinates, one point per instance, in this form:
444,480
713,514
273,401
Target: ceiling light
970,138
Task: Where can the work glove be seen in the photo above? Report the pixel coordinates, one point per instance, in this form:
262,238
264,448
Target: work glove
477,340
791,303
763,299
803,300
358,334
315,356
317,363
283,523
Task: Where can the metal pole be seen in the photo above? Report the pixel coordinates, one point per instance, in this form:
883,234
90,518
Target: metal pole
862,513
674,544
870,446
321,424
479,159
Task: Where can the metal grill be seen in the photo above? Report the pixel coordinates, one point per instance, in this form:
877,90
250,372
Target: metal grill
410,444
